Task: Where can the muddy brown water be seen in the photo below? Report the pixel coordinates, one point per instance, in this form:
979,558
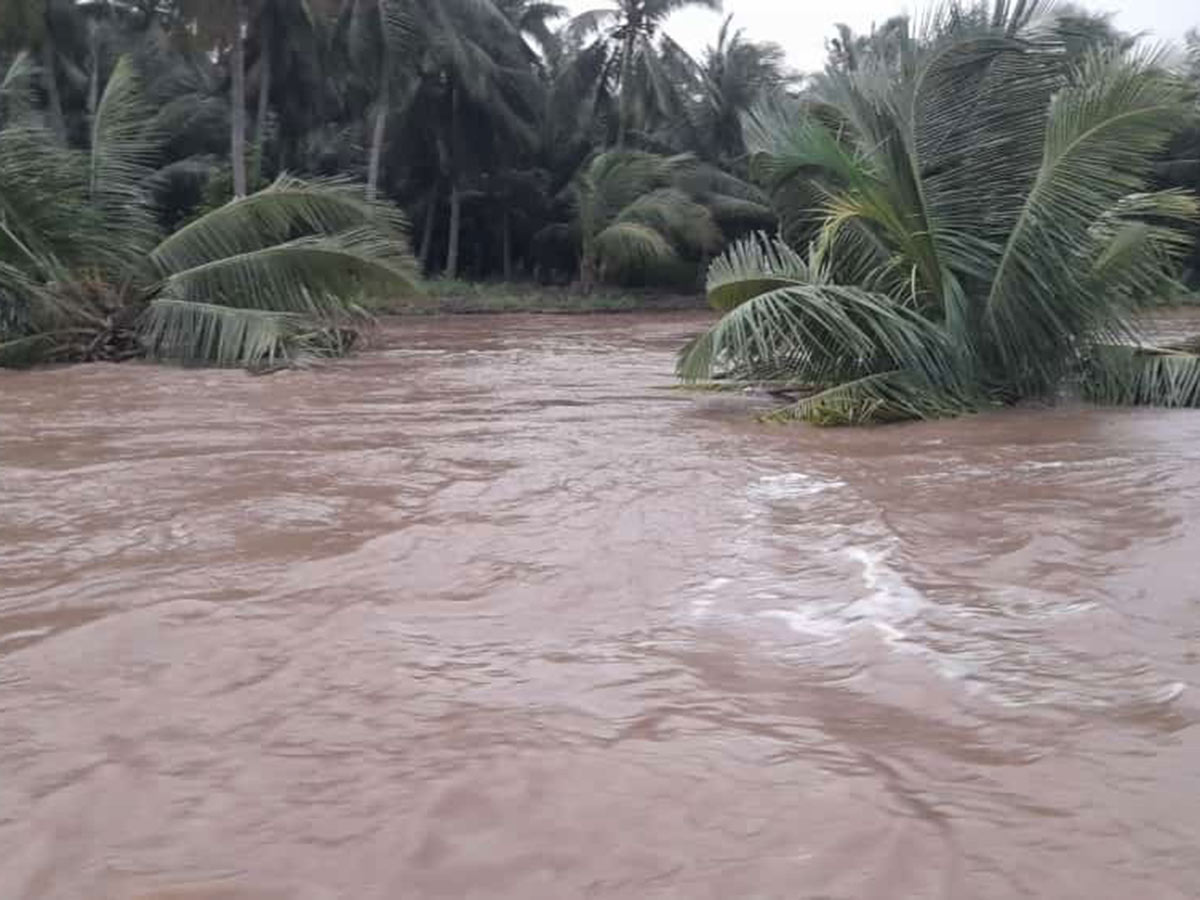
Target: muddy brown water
491,612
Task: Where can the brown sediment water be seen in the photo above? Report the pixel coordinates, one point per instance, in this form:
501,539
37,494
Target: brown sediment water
491,612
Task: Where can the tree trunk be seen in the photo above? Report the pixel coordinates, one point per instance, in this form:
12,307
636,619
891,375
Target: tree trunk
237,131
264,101
625,101
588,270
427,231
377,136
506,240
53,97
455,194
94,75
455,228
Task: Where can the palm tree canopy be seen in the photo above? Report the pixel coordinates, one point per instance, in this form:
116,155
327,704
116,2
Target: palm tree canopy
984,188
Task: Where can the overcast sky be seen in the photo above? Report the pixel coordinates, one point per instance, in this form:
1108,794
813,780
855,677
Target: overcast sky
802,27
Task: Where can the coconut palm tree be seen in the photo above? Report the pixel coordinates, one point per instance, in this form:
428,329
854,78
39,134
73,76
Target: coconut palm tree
279,27
737,73
266,279
378,40
628,30
987,230
637,213
474,93
40,26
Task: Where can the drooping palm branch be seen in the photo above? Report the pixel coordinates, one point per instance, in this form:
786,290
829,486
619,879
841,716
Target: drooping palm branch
264,279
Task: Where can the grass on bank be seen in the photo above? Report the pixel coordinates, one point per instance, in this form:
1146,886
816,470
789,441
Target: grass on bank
448,296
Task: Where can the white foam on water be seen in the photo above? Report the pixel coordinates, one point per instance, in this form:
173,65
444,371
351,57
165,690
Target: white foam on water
792,485
1034,465
701,604
889,604
1168,693
891,599
808,622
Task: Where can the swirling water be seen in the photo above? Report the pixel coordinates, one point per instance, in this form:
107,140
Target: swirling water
490,611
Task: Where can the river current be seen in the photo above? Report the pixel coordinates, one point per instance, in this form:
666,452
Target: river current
493,611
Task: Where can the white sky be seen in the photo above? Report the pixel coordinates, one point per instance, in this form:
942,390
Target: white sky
802,27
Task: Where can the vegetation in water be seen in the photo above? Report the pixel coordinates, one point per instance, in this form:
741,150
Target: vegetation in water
969,216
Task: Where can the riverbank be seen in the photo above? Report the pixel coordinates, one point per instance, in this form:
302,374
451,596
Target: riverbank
467,298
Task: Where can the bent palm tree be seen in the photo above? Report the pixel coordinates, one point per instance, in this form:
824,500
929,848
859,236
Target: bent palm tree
636,211
984,231
263,280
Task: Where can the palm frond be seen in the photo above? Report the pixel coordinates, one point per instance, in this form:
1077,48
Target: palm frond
23,352
876,399
42,236
753,266
1102,135
275,214
1125,375
123,150
200,333
612,181
819,333
17,89
1138,245
323,276
626,245
673,214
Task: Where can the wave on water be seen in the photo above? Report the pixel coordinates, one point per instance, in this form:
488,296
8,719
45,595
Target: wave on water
889,604
791,485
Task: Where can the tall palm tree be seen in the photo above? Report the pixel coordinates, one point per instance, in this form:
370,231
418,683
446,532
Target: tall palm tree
474,92
378,39
264,279
987,230
219,27
280,28
40,26
737,74
629,29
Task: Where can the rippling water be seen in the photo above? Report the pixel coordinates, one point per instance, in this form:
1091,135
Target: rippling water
493,613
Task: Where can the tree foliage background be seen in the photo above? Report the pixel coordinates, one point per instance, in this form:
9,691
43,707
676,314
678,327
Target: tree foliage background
484,120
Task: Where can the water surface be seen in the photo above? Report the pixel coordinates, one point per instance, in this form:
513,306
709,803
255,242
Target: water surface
491,612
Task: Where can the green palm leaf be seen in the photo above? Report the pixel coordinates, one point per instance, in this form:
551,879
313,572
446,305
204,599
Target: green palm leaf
1102,135
321,276
1145,376
123,149
277,213
201,333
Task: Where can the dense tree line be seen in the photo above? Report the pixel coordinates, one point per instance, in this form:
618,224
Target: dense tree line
480,118
236,180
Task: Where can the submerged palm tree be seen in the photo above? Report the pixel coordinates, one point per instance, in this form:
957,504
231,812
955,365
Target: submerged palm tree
984,230
263,280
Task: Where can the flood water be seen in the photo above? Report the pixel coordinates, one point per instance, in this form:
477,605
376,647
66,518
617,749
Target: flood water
492,612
